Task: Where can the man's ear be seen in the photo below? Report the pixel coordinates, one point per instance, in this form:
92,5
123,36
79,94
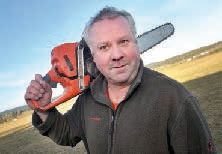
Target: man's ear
91,68
93,57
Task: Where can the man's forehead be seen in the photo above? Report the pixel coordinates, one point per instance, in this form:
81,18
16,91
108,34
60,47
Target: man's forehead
110,19
108,22
118,27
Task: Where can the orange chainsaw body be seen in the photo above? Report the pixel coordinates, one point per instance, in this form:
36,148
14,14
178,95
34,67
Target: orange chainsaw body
64,70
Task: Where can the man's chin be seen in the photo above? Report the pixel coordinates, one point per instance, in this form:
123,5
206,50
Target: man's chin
119,80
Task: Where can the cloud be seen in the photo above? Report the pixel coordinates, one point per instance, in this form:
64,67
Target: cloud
6,75
12,83
10,79
199,31
145,23
12,100
182,5
14,78
209,27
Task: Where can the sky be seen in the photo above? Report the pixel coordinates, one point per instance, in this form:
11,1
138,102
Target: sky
29,29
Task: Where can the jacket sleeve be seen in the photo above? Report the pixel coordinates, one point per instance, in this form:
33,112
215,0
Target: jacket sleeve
190,133
62,129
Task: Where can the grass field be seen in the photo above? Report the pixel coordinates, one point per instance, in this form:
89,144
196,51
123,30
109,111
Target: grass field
18,136
202,76
209,92
190,70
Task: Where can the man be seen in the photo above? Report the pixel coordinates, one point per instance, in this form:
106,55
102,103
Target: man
128,108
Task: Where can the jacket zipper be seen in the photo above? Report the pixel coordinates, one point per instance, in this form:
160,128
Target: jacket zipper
112,130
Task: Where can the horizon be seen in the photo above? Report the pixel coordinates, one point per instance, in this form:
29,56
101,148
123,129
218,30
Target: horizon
24,105
29,31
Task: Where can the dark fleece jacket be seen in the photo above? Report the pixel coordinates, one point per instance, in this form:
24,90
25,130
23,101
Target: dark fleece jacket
158,115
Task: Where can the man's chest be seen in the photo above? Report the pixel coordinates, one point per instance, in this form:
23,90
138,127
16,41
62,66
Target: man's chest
133,123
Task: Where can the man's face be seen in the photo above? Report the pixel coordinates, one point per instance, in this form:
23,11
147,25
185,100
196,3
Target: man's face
115,51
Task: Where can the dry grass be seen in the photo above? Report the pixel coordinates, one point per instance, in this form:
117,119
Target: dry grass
23,120
19,136
194,69
208,89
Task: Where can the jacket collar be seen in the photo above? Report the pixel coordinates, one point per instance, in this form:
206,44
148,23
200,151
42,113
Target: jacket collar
100,86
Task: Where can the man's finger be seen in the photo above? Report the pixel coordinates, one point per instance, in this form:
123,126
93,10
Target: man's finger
30,96
39,78
35,88
35,84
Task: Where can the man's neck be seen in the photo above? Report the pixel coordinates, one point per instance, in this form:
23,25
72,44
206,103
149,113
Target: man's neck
117,93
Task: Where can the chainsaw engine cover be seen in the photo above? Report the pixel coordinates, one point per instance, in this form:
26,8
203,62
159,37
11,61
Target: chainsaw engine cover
64,60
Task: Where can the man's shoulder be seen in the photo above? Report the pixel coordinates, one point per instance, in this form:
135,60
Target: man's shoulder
155,76
161,81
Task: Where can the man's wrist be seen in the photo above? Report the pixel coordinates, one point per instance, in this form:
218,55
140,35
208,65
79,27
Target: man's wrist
42,114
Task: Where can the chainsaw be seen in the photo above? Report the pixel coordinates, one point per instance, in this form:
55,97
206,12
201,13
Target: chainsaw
74,69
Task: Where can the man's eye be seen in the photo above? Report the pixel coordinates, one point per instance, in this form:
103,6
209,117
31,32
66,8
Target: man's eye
104,47
124,42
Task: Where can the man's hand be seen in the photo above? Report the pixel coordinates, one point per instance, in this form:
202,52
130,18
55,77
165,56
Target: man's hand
40,91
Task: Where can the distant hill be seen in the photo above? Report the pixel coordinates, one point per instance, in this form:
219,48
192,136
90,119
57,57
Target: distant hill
193,54
12,113
20,108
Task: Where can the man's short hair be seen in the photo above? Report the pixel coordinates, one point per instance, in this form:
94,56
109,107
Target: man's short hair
109,13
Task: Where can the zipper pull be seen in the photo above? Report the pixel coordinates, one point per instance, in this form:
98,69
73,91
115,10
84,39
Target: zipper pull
112,125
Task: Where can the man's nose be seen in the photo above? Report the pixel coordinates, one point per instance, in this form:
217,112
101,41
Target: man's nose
117,53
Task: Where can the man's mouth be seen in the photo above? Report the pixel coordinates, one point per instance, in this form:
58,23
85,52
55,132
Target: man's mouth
119,66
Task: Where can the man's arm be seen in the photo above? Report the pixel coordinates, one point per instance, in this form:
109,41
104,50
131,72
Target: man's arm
190,133
40,91
62,129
